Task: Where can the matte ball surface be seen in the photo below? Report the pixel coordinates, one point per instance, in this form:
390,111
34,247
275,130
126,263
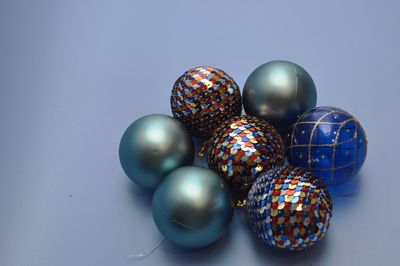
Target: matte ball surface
192,207
243,147
203,97
152,146
279,92
328,141
289,208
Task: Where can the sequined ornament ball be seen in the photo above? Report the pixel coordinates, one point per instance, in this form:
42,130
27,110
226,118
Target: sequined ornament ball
289,208
328,141
243,147
203,97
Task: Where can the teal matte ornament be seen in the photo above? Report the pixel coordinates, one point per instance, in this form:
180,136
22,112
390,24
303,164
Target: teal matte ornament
192,207
279,92
152,146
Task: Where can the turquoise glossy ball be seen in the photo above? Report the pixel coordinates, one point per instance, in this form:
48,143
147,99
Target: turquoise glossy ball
279,92
192,207
152,146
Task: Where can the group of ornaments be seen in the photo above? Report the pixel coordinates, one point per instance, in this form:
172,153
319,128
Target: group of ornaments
288,207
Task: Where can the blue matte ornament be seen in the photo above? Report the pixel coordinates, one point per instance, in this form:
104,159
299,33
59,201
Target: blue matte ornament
192,207
152,146
328,141
279,92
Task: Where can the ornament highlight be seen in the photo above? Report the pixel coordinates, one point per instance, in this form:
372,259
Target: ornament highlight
289,208
192,207
243,147
279,92
203,97
152,146
328,141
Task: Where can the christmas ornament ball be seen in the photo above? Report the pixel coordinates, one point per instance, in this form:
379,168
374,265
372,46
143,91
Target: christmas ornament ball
203,97
152,146
279,92
328,141
289,208
192,207
243,147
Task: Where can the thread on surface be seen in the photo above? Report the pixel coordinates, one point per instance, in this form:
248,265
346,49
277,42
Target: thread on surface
203,148
145,254
241,203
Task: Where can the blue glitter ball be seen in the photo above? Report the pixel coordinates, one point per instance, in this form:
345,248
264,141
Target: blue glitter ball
289,208
328,141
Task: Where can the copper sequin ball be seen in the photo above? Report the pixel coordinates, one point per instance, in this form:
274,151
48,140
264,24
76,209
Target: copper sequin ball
289,208
243,147
203,97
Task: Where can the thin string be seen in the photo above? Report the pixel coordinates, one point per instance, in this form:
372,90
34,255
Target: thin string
241,203
145,254
203,148
307,253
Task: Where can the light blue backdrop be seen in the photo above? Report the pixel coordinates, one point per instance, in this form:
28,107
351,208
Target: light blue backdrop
74,74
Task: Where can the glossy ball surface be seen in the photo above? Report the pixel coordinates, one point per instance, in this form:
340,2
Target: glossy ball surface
279,92
328,141
289,208
203,97
243,147
192,207
152,146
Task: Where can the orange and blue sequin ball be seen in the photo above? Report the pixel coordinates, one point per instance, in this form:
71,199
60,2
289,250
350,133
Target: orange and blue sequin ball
203,97
243,147
328,141
289,208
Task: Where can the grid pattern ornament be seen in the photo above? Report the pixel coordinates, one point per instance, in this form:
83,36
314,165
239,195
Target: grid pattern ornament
243,147
289,208
203,97
328,141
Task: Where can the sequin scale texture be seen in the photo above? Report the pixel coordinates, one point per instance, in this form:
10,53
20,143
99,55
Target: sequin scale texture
289,208
328,141
203,97
243,147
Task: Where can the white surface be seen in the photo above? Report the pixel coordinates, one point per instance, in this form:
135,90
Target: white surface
75,74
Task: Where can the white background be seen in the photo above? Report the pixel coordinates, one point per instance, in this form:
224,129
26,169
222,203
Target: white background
74,74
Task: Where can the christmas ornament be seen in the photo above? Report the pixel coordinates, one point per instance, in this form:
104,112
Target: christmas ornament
289,208
192,207
279,92
203,97
152,146
243,147
328,141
